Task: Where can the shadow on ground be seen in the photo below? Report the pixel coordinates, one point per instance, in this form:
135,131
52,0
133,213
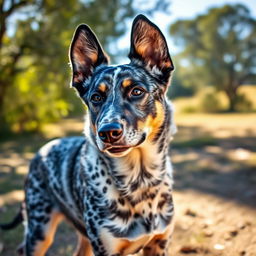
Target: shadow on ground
215,173
224,167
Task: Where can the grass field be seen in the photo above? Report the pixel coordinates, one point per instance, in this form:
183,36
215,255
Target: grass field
214,158
194,104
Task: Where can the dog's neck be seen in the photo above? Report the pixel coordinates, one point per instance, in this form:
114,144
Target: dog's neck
144,167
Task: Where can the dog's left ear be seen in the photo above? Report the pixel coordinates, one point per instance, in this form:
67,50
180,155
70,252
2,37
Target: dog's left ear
149,47
85,55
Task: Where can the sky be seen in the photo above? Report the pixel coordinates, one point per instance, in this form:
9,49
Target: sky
184,9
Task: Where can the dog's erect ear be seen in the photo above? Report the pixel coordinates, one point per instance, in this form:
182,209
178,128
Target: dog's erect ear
85,55
148,45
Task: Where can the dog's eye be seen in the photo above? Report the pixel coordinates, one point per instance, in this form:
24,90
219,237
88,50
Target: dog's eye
96,98
137,92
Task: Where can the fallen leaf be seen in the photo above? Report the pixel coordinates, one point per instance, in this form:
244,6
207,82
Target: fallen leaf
191,213
241,225
233,233
208,233
188,249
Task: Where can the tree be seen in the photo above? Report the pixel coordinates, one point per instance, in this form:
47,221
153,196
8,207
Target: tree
220,48
34,71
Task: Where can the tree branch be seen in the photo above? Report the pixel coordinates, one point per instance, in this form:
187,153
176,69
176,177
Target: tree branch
16,6
5,14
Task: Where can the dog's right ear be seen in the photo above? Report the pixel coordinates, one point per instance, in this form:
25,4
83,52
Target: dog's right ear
149,47
85,55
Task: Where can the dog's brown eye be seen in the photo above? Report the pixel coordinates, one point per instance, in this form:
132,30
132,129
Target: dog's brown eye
137,92
96,98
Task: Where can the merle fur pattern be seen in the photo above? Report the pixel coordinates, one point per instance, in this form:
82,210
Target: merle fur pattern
118,195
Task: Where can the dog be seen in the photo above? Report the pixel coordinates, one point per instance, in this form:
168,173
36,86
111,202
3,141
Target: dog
114,185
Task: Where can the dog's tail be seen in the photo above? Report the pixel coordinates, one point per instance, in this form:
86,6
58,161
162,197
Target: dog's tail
14,223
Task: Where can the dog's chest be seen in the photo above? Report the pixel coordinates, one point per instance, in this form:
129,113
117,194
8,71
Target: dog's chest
120,214
129,228
129,215
134,219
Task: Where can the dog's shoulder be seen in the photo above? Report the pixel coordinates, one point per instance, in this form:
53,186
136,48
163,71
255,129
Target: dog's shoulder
57,155
58,147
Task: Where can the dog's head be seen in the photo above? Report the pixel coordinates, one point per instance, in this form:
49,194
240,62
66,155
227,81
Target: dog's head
126,103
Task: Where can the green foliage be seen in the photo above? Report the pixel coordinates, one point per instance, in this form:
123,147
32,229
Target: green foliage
209,101
243,103
34,71
28,105
219,48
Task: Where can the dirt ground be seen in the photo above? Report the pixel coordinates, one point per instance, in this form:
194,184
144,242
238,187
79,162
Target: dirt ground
214,158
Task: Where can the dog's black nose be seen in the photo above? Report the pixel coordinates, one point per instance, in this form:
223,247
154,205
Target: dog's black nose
110,133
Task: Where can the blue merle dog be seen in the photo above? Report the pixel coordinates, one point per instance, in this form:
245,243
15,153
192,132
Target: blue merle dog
115,184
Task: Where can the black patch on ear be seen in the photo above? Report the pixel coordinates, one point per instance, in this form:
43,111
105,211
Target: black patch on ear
86,54
148,45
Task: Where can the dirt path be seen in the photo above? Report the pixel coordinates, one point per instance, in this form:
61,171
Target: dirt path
215,187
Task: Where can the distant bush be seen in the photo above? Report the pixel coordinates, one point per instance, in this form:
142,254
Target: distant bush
30,103
243,103
209,101
189,109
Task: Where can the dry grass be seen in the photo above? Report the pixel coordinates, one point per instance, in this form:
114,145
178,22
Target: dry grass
192,104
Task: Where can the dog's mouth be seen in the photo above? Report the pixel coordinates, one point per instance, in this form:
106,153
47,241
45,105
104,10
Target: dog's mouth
115,150
120,149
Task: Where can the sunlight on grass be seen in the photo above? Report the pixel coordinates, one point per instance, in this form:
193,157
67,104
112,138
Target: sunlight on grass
219,125
12,197
191,156
192,104
61,129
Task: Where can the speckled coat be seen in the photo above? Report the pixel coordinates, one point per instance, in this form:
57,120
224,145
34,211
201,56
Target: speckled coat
114,185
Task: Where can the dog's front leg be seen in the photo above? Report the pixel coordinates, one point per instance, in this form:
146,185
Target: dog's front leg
84,247
158,245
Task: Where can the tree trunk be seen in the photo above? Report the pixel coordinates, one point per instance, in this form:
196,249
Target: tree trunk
3,88
231,93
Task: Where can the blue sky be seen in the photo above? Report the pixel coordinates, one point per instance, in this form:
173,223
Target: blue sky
182,9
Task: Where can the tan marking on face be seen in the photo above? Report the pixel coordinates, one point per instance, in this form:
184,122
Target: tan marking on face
49,232
93,128
126,82
102,87
153,124
157,121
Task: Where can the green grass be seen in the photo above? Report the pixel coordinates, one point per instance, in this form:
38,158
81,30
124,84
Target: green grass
195,143
11,238
10,181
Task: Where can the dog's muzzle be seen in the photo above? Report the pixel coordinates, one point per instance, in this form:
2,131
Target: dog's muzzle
111,132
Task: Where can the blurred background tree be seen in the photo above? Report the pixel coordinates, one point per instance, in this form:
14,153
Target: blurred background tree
219,49
34,40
